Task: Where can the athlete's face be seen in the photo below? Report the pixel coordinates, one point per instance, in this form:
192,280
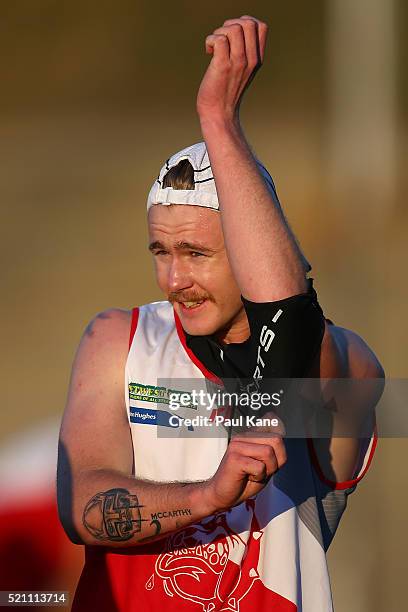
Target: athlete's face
193,271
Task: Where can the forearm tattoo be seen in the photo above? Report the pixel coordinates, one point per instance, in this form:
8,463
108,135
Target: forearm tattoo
113,515
155,522
156,516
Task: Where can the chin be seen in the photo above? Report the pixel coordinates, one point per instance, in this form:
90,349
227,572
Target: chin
198,328
205,320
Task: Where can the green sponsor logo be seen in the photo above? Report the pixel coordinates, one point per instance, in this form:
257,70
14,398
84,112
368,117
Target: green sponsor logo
148,393
158,395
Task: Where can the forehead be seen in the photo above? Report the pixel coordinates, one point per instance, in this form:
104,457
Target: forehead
181,220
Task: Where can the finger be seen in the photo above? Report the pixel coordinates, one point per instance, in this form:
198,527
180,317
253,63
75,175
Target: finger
261,452
236,40
218,46
209,44
254,469
280,452
271,424
250,31
276,444
262,34
260,481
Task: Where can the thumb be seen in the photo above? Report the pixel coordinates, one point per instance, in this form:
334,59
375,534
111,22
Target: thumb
218,46
209,44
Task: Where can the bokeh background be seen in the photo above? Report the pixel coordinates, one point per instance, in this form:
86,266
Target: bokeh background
95,95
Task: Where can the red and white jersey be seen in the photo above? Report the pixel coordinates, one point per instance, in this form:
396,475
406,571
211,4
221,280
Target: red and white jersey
267,553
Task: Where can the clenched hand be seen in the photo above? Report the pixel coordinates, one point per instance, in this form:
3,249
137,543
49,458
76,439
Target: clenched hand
237,50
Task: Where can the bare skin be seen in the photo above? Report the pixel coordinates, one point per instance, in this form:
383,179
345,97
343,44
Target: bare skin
200,255
97,458
191,264
265,259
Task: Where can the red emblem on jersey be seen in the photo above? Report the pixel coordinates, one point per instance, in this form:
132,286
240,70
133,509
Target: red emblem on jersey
210,564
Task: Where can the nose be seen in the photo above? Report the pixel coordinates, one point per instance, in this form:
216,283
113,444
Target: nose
179,276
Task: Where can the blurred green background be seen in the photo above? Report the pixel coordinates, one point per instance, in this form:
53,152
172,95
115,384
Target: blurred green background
95,95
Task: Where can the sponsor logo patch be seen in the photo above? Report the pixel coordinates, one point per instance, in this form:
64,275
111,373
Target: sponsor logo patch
158,395
147,393
145,416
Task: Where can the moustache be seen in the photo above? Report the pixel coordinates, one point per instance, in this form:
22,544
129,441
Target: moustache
188,296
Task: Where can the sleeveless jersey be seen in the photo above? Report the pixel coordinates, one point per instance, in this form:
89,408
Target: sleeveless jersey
268,553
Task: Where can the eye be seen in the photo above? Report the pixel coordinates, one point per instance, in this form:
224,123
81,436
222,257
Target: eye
196,254
161,252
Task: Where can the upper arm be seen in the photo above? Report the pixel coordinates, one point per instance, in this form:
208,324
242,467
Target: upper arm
344,354
95,433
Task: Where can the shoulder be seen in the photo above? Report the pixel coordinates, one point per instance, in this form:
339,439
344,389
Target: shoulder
113,323
348,354
107,334
97,371
111,328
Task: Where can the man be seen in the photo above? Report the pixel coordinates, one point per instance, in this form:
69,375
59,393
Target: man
207,523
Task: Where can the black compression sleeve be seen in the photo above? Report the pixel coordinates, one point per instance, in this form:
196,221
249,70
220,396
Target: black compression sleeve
285,335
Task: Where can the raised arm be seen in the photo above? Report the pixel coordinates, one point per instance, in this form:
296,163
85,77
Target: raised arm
264,255
265,258
100,500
